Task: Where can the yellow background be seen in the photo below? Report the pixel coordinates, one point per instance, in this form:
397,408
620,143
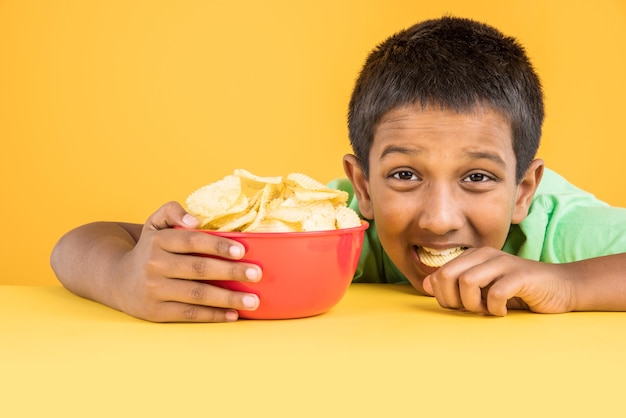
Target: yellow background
110,108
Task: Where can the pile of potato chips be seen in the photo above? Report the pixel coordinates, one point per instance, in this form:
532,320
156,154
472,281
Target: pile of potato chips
249,203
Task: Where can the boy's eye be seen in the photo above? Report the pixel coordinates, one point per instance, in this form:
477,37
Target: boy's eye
404,175
477,178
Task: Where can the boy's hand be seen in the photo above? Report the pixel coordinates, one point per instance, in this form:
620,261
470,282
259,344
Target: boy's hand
488,281
158,279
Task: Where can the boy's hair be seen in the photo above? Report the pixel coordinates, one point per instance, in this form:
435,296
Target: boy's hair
455,64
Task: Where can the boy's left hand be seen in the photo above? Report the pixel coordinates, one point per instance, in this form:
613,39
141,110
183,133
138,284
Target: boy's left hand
489,281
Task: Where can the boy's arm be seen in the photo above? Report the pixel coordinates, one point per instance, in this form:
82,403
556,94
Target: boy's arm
152,271
485,280
599,284
84,259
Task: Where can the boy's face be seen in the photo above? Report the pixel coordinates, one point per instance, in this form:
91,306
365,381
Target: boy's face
441,179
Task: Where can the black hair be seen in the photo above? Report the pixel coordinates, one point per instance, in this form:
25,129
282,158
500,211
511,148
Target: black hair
453,63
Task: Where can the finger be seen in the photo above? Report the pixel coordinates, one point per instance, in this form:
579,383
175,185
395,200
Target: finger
460,281
471,285
427,286
443,283
501,292
199,267
204,294
169,215
441,291
187,301
183,312
485,289
194,242
172,214
445,289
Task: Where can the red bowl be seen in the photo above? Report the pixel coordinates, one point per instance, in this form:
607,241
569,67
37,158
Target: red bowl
304,273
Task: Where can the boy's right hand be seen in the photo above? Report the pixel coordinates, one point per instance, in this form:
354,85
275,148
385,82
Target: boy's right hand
159,279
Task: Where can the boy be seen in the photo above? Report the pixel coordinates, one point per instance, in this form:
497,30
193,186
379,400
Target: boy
445,121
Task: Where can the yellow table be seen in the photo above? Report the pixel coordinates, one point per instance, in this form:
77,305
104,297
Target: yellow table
382,352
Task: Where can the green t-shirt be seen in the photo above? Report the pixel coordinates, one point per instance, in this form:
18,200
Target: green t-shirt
564,224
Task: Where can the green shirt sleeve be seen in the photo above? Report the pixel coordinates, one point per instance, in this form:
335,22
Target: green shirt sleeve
566,224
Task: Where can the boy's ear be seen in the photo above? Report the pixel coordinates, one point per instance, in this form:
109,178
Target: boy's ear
526,190
355,174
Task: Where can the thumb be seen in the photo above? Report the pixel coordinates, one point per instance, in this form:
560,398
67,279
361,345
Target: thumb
170,215
427,285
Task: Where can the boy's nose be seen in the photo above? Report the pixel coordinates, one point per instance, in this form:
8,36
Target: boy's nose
441,212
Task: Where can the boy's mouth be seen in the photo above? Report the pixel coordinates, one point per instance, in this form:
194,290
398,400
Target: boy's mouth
437,258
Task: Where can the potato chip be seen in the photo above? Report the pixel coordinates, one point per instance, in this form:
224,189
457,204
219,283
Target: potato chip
435,258
346,218
245,174
252,184
276,225
269,193
218,199
307,189
305,182
289,214
322,217
234,222
247,202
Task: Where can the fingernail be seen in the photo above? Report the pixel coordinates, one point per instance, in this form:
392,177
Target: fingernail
250,301
189,220
253,274
235,251
232,316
